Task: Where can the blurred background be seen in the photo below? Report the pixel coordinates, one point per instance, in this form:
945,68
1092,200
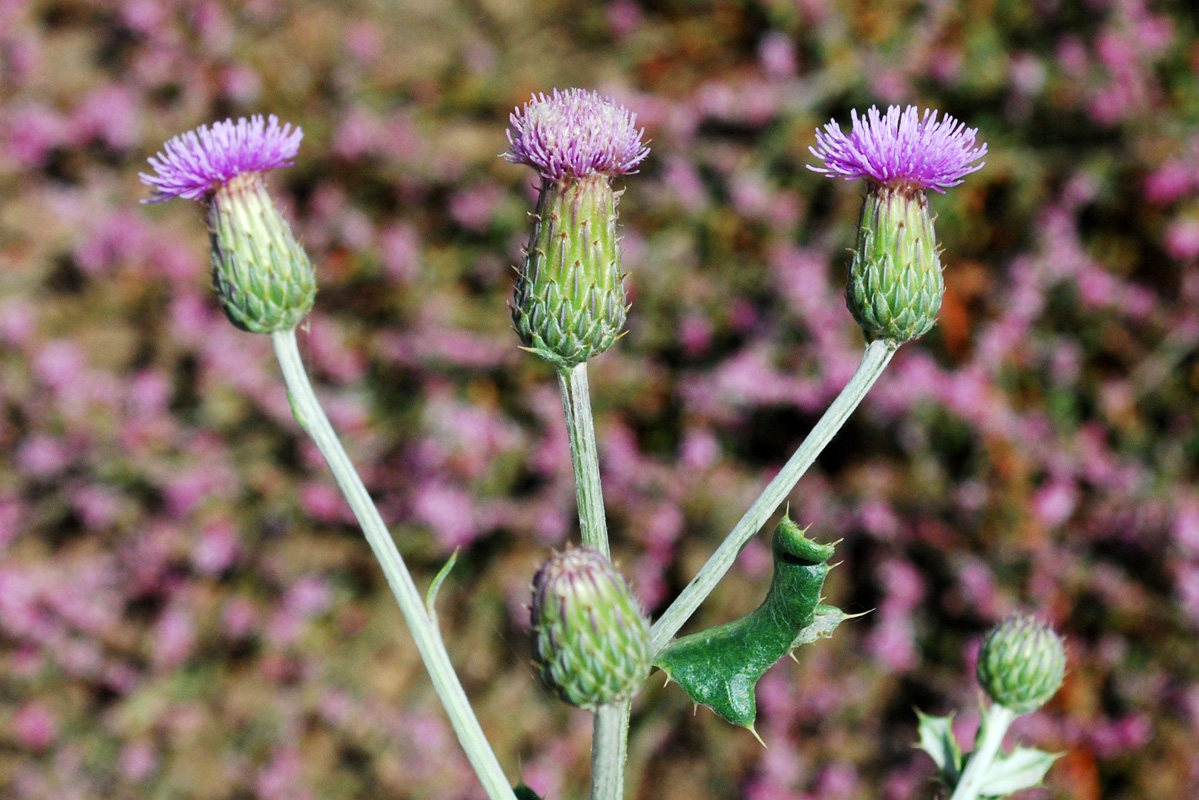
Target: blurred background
186,609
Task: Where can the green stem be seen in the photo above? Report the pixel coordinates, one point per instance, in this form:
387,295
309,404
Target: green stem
878,354
576,405
312,419
994,726
610,726
609,750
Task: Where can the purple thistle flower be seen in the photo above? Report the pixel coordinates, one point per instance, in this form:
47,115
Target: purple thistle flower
261,273
574,134
900,147
195,163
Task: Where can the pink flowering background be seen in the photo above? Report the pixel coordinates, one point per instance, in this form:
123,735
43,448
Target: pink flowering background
186,609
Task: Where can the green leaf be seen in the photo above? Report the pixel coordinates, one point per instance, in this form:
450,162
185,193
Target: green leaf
937,739
525,793
825,620
720,667
435,586
1023,768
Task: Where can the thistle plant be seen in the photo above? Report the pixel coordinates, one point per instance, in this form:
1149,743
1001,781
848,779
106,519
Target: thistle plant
591,642
1020,668
265,283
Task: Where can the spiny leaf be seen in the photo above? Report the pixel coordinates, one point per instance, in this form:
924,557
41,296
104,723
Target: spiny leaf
1023,768
720,667
825,620
937,739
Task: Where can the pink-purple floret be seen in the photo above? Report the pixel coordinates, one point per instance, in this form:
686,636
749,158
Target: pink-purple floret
900,147
193,164
574,134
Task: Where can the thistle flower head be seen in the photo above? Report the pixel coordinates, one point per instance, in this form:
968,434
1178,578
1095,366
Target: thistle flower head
575,133
569,302
900,147
590,639
261,274
195,163
1021,664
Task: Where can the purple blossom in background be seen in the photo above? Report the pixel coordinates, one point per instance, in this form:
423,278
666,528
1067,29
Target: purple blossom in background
34,727
574,134
111,114
192,164
776,54
30,132
900,147
1182,239
174,637
215,550
138,761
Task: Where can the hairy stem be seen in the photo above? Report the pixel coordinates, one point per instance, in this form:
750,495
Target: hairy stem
312,419
878,354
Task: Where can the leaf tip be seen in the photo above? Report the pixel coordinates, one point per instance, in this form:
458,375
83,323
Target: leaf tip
750,727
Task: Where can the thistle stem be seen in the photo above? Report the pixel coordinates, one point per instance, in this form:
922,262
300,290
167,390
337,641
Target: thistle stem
610,725
312,419
878,354
609,750
991,731
576,405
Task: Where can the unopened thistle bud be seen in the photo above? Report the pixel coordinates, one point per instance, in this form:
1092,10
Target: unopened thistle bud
590,639
1021,664
895,286
569,303
261,274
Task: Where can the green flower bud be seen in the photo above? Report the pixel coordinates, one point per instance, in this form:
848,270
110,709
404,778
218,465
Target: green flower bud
569,303
1021,664
895,285
261,274
590,639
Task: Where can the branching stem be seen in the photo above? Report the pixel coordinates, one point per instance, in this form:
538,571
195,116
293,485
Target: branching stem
878,354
